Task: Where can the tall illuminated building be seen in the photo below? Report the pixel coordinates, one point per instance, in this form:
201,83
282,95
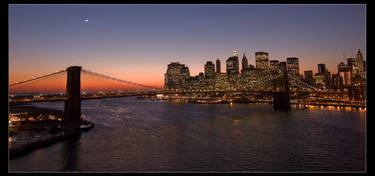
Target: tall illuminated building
274,65
233,64
292,65
176,75
360,60
361,64
261,60
218,66
344,74
209,70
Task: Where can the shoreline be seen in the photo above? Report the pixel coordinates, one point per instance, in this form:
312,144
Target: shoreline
205,101
24,148
40,133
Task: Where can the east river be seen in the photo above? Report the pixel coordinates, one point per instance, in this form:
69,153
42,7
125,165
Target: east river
140,135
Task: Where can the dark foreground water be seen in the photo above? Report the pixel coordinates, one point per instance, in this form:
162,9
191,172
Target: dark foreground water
141,135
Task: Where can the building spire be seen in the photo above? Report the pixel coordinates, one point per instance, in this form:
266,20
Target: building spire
235,53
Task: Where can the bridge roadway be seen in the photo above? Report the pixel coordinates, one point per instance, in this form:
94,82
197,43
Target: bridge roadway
95,96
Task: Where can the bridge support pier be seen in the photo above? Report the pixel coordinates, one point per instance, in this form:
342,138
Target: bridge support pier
281,100
72,114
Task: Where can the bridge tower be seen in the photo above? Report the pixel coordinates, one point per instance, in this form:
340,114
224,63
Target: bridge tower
281,100
72,116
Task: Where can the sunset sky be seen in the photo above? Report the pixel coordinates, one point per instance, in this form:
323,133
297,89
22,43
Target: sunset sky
137,42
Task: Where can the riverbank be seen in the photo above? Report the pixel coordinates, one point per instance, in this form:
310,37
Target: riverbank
31,128
249,101
21,144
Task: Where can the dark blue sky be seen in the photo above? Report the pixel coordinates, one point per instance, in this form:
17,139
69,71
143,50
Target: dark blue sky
137,42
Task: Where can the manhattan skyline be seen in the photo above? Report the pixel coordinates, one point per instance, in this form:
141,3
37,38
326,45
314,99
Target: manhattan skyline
136,42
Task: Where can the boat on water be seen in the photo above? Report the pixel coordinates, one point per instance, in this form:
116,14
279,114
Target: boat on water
86,125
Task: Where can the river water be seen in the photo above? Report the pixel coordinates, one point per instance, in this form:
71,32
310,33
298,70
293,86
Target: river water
140,135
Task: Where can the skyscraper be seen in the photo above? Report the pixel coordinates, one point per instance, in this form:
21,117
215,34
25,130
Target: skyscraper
360,63
261,60
209,70
351,62
233,64
360,58
309,77
245,63
321,68
308,74
218,66
292,65
274,65
176,75
344,74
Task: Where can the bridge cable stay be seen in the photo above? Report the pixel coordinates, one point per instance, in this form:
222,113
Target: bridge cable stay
48,83
36,78
266,78
303,83
119,80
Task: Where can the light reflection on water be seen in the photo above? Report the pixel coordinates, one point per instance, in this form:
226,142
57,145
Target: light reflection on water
141,135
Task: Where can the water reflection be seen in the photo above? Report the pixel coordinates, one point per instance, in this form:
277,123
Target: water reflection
165,136
329,108
70,153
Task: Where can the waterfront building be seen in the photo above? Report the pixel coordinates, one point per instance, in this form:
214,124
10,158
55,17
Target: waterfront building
218,66
194,83
251,76
261,60
234,81
176,76
221,81
357,90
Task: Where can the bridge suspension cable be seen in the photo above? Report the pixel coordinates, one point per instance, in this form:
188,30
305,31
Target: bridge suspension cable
268,78
36,78
303,83
118,80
